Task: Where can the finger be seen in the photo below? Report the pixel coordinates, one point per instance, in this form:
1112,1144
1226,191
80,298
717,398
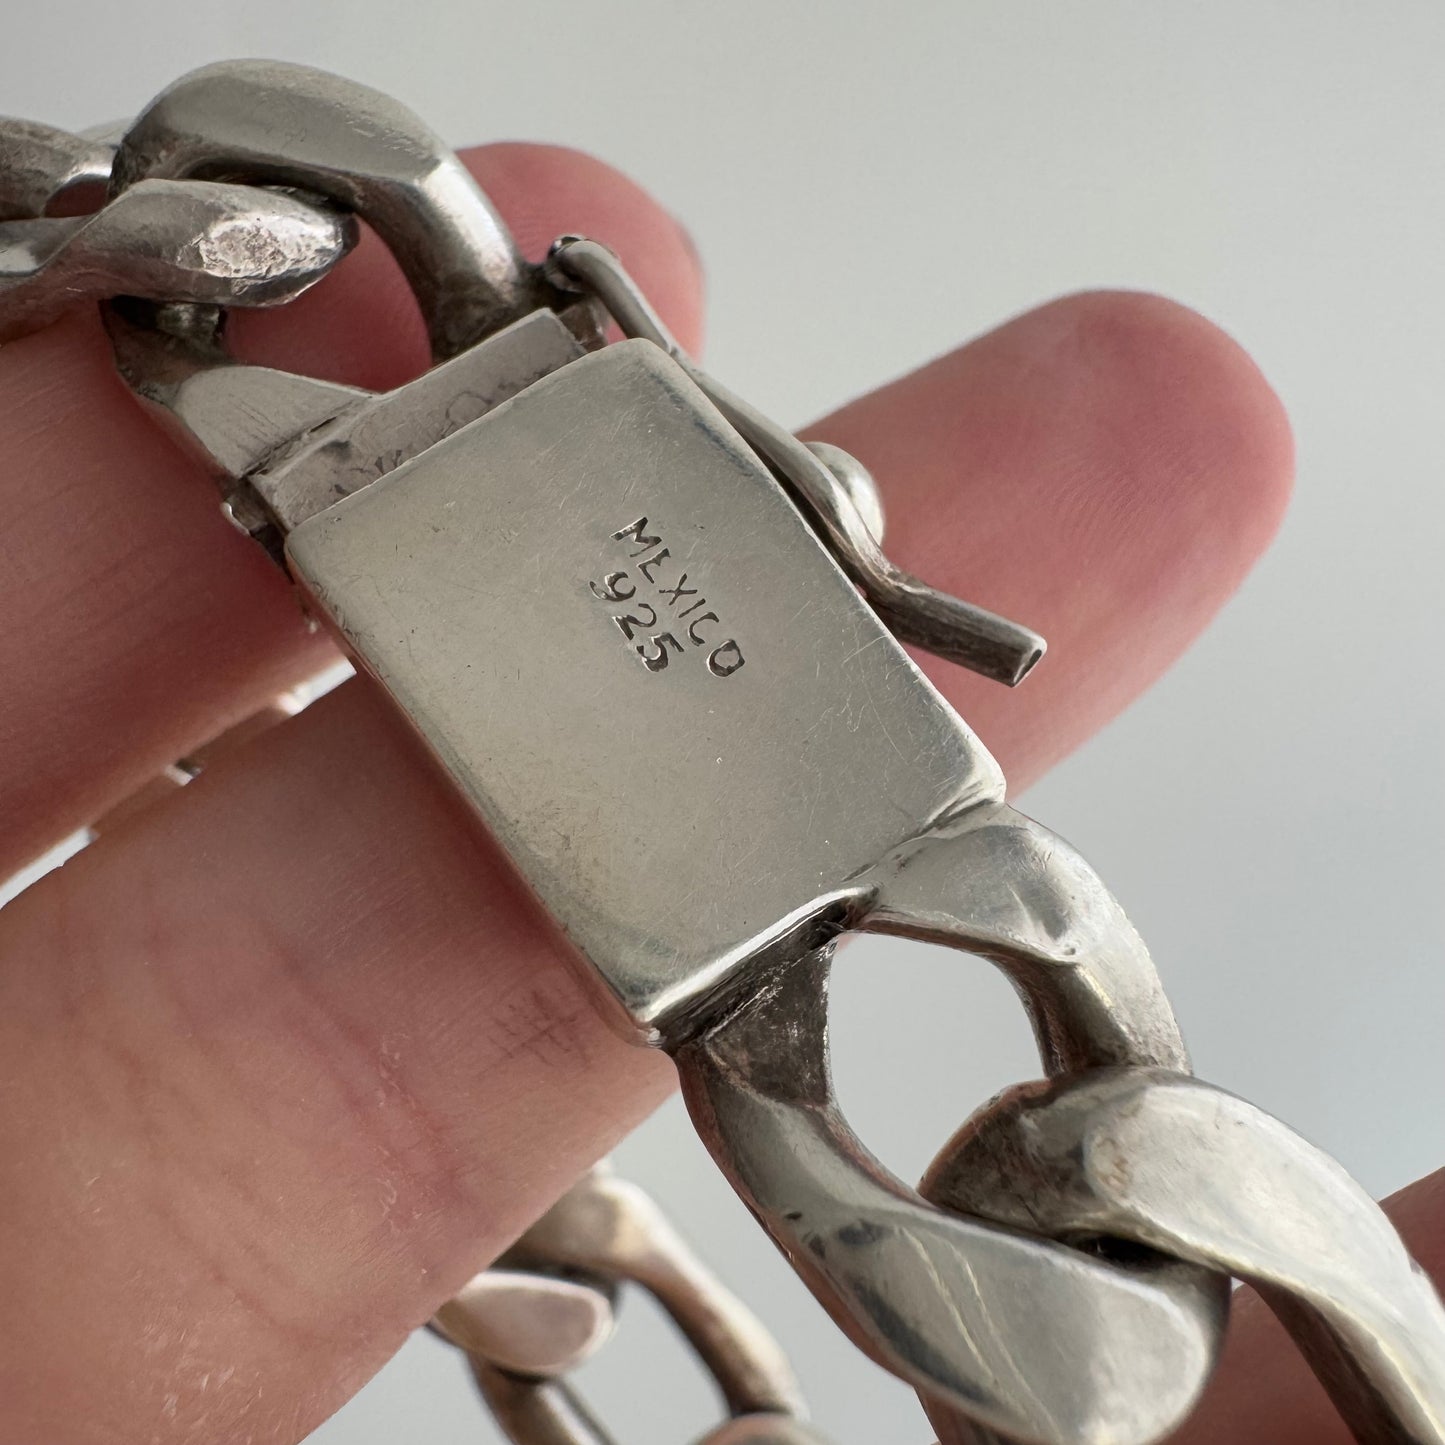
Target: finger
258,1109
312,1057
1106,470
1264,1393
138,623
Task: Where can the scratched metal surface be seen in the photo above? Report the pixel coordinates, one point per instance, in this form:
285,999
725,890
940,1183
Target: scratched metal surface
1284,178
659,730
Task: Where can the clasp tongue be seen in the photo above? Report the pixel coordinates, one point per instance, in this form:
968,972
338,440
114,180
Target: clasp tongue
827,487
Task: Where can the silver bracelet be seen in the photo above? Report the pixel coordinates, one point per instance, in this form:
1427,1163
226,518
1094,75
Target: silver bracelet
705,749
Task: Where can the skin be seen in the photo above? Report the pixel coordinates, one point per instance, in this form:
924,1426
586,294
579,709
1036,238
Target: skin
287,1056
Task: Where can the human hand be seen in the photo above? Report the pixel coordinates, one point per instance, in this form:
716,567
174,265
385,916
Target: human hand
289,1056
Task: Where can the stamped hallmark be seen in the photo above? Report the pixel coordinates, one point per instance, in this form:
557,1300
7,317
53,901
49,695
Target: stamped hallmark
657,594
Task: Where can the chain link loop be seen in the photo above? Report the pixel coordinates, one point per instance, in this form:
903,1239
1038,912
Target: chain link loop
548,1304
195,243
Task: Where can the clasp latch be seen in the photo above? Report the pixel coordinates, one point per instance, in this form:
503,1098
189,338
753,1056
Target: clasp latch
826,485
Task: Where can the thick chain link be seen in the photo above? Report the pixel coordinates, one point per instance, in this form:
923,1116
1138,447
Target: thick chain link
548,1304
196,242
1075,1241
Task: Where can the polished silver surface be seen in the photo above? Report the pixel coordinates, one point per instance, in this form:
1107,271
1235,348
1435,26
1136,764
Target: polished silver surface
1023,1338
278,124
857,483
548,1305
1170,1162
994,883
196,242
656,730
917,613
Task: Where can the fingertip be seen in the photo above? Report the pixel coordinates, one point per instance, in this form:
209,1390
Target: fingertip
1169,469
1185,388
1106,469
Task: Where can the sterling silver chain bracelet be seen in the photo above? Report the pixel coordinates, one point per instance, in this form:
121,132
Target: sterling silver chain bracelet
1062,1273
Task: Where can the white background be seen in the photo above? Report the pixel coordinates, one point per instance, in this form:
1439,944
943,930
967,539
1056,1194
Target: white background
1271,814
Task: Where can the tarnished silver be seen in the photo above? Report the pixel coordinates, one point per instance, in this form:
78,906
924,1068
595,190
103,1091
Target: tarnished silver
45,171
691,602
271,123
287,447
548,1304
672,927
1173,1163
623,610
533,1325
1043,1342
192,242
